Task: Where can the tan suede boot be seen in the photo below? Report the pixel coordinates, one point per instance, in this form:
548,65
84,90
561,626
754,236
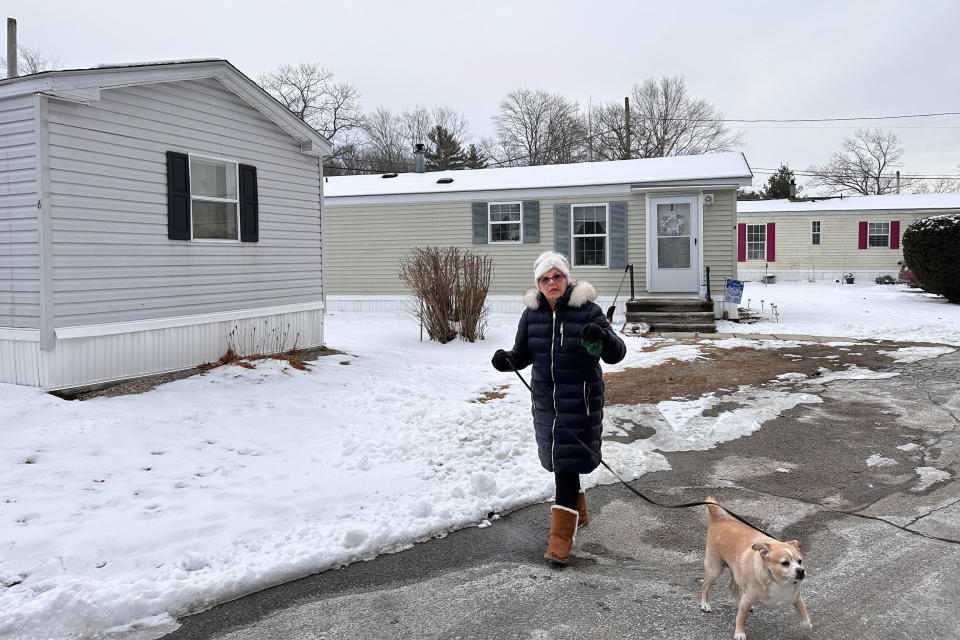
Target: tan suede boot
563,529
582,510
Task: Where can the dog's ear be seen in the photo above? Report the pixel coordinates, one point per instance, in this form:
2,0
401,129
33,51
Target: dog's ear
762,548
796,544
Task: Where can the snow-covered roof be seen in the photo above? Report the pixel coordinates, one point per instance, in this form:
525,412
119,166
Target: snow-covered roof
892,202
85,85
731,168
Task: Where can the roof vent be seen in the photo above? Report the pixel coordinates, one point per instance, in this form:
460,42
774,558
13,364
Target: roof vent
444,180
389,175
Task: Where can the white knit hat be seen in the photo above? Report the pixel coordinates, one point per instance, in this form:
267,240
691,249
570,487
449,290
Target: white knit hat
550,260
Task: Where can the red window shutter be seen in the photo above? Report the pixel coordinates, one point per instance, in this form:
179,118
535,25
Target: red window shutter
863,234
894,234
771,241
741,242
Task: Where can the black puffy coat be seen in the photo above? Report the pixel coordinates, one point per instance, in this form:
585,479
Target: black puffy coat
567,381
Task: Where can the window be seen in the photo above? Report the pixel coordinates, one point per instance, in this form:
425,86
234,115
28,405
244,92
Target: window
589,235
756,241
815,232
214,210
878,234
504,220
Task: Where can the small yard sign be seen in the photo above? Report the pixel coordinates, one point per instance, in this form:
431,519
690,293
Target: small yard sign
734,291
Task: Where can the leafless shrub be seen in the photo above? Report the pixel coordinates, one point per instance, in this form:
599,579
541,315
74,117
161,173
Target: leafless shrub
470,295
449,288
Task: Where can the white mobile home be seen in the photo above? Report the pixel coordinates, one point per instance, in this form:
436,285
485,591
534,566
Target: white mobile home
669,217
824,239
150,215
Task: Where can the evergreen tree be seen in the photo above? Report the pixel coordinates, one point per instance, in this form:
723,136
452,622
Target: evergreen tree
778,185
444,151
475,158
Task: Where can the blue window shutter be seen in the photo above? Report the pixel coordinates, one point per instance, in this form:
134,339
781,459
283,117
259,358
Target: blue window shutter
618,235
531,221
561,229
479,222
249,207
178,196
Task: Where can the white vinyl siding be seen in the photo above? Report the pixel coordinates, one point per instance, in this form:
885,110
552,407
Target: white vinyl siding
719,223
19,215
505,222
878,235
112,258
756,242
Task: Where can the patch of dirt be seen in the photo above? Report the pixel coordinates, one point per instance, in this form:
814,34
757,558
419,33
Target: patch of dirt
296,359
487,396
729,368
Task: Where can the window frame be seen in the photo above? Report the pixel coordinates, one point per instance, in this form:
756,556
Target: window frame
235,201
763,243
605,236
870,235
491,223
816,237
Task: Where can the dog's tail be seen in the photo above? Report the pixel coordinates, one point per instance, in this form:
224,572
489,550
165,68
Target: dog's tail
716,512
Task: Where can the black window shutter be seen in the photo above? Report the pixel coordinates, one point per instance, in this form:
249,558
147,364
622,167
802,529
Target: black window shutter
479,214
249,209
178,196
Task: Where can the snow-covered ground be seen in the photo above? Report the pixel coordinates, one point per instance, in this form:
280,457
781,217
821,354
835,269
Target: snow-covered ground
118,514
891,312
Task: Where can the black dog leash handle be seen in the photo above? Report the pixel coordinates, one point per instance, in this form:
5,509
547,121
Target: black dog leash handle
685,505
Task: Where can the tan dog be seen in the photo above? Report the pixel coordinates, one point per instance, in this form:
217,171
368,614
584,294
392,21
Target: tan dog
765,571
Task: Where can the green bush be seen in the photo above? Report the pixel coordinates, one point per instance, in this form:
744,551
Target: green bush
931,249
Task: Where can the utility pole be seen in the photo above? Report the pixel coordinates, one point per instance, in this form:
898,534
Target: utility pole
898,181
626,113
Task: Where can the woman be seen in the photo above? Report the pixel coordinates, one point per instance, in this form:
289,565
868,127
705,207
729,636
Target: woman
564,335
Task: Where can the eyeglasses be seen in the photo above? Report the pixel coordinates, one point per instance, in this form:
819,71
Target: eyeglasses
549,279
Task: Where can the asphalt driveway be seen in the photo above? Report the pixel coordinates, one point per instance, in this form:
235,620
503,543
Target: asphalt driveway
865,479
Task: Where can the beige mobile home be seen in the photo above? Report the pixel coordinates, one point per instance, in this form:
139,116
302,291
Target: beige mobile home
148,215
595,213
826,238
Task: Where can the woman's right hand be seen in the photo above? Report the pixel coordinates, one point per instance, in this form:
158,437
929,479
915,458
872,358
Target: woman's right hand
501,361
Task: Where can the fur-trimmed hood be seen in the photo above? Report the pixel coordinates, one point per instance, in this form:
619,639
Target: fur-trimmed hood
580,292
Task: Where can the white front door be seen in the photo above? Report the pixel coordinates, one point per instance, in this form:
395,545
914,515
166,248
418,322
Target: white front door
673,244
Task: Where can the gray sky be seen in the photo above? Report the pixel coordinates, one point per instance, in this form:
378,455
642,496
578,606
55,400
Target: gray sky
817,59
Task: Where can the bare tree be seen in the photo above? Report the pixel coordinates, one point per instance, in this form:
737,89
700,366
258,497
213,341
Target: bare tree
33,60
667,121
664,121
416,124
867,165
308,90
535,128
939,185
453,121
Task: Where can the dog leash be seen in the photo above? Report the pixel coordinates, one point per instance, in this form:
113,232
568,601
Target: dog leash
685,505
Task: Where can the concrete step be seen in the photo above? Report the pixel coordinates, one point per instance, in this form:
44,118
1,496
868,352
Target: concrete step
658,317
684,327
668,305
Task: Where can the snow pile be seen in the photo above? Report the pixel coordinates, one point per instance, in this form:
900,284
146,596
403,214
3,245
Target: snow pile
889,312
119,514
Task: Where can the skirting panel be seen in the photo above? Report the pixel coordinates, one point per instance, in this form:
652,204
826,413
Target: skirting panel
107,356
20,359
814,275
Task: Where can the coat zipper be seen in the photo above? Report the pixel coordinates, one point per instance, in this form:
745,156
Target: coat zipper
553,378
586,397
561,335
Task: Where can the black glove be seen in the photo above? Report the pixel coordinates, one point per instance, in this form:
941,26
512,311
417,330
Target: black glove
501,361
591,332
